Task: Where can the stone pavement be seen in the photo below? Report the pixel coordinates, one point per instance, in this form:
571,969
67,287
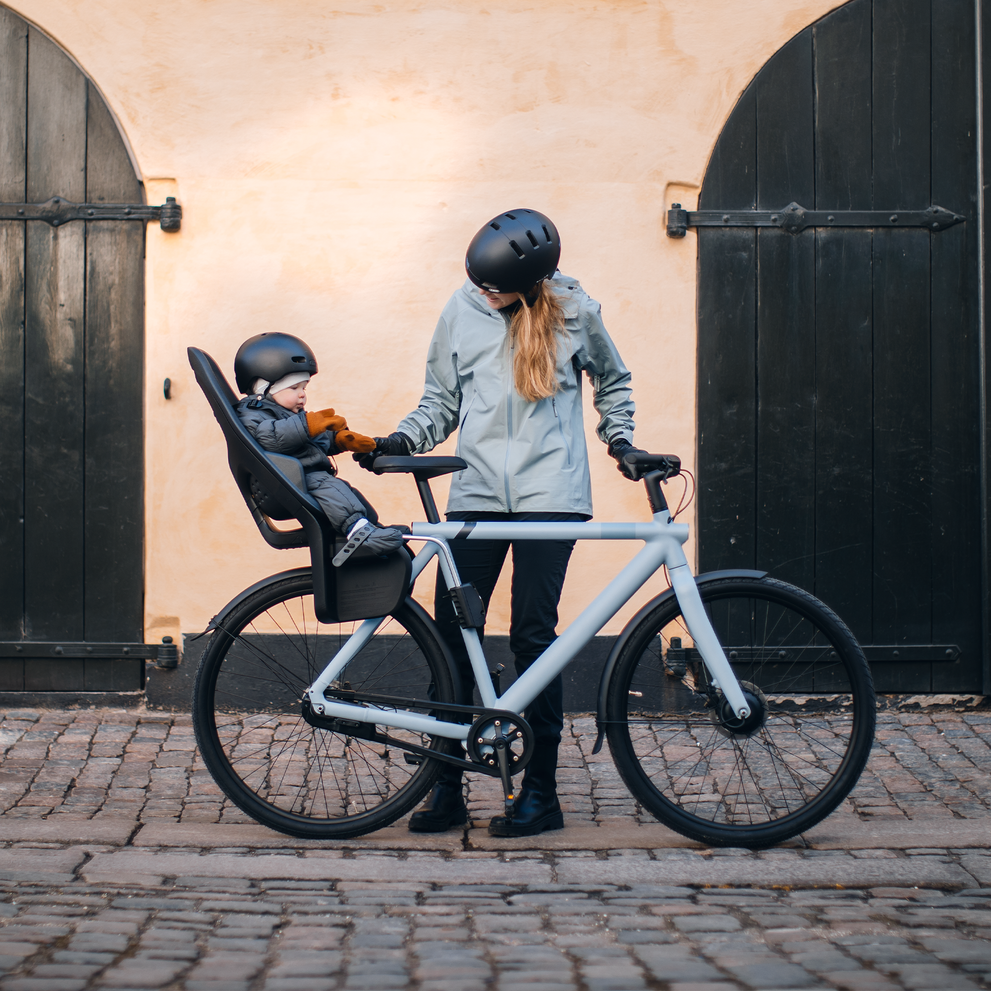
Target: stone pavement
122,866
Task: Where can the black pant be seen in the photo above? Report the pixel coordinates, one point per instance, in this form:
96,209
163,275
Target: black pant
539,567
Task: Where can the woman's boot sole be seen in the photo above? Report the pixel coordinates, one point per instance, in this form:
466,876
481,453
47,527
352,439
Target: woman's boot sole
506,828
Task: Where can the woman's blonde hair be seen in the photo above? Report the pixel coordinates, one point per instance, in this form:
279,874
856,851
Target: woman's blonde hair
533,332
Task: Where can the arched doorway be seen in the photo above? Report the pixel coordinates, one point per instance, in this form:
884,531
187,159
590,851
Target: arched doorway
71,383
839,389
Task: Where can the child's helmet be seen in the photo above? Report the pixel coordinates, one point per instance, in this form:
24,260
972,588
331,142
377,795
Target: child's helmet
513,252
271,356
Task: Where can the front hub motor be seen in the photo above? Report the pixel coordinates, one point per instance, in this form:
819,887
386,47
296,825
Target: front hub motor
729,723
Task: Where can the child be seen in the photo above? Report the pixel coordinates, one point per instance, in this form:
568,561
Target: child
274,369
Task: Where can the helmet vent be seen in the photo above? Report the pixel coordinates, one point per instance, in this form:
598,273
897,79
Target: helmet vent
533,240
516,248
495,226
300,358
512,216
547,233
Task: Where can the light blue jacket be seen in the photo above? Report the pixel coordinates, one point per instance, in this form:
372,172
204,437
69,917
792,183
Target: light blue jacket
522,456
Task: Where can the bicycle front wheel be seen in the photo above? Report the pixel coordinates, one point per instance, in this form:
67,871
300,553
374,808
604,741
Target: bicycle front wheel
273,764
693,765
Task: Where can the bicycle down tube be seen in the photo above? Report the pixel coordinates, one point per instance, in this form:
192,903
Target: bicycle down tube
663,540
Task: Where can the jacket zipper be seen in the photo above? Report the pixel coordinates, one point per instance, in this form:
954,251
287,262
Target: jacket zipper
509,431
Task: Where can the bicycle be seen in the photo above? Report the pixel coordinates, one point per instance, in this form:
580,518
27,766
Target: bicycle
739,709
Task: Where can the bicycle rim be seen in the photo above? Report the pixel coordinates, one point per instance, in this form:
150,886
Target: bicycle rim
679,748
265,756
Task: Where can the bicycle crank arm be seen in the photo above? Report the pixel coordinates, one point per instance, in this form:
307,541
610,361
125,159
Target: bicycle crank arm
706,641
502,755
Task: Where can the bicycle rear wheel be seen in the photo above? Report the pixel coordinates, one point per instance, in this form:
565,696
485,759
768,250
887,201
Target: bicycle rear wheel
276,766
686,758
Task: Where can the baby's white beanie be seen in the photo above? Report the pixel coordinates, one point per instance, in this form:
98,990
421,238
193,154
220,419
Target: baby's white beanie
286,382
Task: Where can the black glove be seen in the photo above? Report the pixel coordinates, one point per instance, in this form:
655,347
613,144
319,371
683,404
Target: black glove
618,449
395,445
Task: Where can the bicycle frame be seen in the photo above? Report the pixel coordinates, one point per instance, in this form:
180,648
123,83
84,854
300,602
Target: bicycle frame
663,545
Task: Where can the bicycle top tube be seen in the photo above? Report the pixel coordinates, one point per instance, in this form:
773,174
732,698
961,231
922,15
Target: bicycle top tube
662,527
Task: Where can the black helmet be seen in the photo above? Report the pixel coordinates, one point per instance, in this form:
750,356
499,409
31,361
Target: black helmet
271,357
513,252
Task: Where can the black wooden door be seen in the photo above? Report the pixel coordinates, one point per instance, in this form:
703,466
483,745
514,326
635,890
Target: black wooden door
71,373
839,396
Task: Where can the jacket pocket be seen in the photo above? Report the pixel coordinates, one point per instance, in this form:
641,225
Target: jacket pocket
461,426
560,430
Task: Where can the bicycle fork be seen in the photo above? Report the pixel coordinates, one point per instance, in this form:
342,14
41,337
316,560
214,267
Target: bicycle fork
706,642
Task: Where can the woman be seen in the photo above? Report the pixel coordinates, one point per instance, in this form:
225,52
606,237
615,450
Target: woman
504,369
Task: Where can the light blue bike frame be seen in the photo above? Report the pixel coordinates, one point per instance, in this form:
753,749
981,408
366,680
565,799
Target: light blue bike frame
663,545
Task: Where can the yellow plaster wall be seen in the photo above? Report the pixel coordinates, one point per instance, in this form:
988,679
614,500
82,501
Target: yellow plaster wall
333,160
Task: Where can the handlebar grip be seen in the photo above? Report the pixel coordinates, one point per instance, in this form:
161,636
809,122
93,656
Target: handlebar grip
641,464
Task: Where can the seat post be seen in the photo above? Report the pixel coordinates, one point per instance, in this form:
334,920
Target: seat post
427,498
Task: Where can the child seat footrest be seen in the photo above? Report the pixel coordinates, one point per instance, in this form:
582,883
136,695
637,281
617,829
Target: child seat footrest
353,543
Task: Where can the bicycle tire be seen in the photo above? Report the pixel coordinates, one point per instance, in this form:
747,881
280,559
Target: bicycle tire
274,765
760,784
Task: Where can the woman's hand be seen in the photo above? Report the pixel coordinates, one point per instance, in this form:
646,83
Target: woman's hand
395,445
618,449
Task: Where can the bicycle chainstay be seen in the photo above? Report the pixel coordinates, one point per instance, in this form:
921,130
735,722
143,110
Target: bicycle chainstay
368,731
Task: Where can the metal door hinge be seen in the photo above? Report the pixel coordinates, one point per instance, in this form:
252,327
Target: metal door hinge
58,211
795,218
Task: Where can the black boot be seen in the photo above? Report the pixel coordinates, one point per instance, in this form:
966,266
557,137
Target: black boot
536,809
443,808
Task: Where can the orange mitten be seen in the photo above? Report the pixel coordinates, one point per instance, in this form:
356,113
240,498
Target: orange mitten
348,440
324,419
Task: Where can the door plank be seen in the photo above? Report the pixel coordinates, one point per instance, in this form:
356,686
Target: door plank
902,403
54,288
13,113
844,327
114,444
956,496
844,434
727,316
13,105
786,320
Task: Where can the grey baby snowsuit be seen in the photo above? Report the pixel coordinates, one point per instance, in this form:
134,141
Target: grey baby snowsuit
283,432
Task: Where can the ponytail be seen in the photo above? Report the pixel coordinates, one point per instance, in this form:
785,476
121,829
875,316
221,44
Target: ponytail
533,332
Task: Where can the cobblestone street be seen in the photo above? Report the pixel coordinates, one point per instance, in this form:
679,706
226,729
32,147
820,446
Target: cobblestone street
123,867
